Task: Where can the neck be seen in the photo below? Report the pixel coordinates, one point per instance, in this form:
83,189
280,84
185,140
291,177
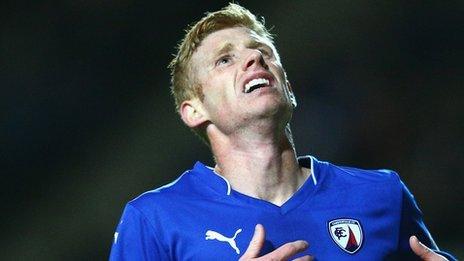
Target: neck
260,166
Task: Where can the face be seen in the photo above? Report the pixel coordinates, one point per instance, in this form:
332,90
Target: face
242,79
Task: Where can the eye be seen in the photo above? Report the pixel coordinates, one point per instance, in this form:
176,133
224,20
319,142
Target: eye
263,51
224,60
266,52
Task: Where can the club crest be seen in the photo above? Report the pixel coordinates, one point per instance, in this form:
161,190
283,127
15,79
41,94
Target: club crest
347,234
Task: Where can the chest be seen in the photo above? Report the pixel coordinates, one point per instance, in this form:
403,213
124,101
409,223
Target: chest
344,231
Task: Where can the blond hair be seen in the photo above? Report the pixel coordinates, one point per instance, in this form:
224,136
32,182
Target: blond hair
183,83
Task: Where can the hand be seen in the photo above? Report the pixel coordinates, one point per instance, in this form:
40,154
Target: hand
423,251
282,253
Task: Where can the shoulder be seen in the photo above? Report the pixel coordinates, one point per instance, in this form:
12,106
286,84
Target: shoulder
164,195
348,175
366,175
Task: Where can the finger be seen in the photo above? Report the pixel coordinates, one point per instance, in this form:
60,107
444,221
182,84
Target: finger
423,251
418,248
256,243
288,250
304,258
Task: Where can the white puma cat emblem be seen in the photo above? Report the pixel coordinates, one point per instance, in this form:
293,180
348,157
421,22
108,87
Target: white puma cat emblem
211,235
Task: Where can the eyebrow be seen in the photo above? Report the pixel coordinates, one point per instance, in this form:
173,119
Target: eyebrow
254,44
224,48
227,47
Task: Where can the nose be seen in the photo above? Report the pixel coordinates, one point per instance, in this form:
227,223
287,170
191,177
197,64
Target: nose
255,58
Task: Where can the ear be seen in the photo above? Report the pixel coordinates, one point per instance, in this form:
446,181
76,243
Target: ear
192,113
291,95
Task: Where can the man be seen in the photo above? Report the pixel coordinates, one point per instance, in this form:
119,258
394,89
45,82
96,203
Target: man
260,201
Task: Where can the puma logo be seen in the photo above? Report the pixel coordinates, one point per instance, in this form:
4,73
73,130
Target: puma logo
212,235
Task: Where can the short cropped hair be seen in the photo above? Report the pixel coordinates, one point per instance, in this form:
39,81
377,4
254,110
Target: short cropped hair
183,83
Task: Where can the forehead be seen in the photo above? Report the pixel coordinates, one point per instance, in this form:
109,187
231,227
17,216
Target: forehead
234,36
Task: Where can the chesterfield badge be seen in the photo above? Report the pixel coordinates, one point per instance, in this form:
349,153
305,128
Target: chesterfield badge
347,234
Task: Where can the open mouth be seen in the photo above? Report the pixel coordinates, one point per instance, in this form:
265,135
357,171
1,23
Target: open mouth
256,84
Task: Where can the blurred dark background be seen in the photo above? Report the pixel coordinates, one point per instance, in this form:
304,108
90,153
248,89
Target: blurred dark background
88,122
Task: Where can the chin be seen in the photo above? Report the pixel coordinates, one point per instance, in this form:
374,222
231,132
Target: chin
275,109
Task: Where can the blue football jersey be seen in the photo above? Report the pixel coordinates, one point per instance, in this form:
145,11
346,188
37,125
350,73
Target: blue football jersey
344,213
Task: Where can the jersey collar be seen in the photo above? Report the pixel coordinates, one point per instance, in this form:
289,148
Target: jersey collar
221,185
212,179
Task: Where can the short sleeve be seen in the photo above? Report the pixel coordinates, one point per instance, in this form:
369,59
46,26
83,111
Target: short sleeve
135,238
412,224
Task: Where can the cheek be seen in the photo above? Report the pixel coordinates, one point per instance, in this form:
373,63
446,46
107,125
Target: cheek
216,101
219,90
279,71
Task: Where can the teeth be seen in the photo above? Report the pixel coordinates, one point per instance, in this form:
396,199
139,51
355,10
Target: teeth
255,82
